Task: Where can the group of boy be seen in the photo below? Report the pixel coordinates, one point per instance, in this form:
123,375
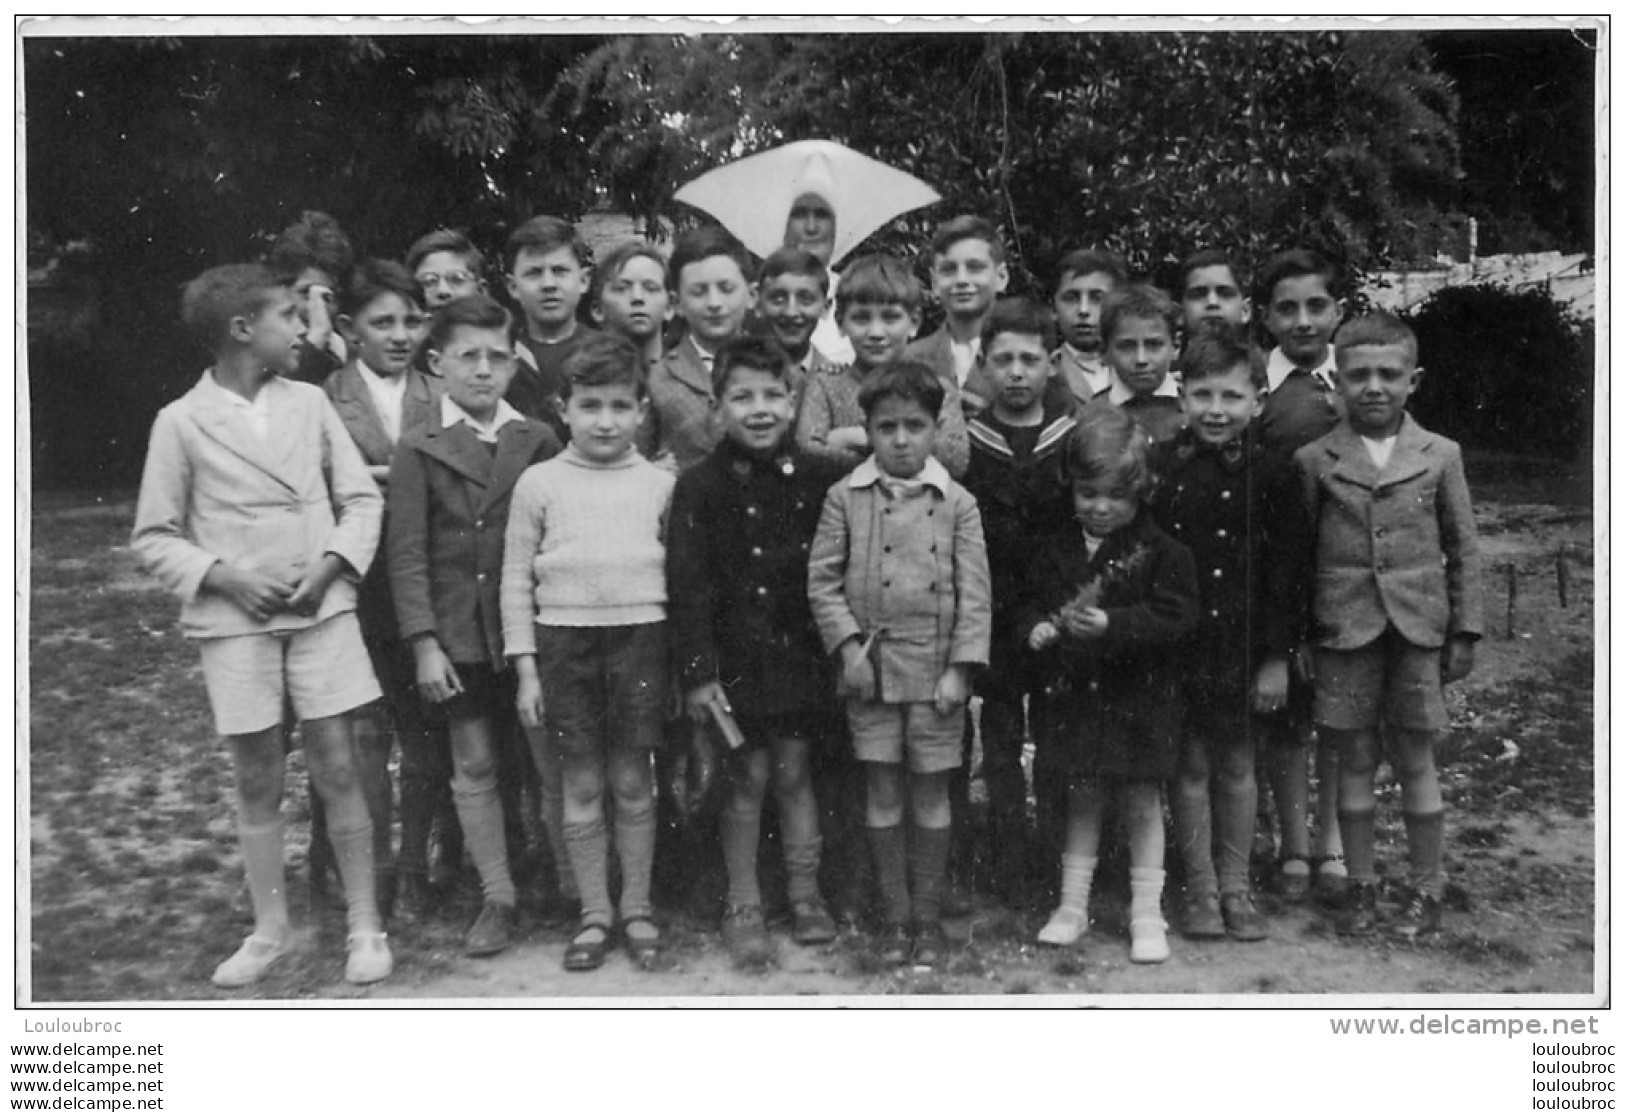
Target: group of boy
857,530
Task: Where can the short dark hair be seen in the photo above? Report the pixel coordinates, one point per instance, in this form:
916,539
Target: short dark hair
1375,329
1217,348
477,310
614,261
315,240
907,381
214,298
1300,262
706,242
448,240
1201,260
967,227
878,280
756,353
604,359
1139,302
1020,315
1088,260
545,234
1109,445
371,279
793,260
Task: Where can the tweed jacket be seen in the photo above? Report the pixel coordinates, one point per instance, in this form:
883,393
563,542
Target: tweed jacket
682,415
1392,547
830,401
213,489
1066,368
1240,510
736,573
420,408
448,516
910,572
1114,703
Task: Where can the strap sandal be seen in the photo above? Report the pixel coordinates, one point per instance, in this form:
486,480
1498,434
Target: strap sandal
587,950
646,948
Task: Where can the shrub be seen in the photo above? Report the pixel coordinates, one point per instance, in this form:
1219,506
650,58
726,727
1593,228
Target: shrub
1507,370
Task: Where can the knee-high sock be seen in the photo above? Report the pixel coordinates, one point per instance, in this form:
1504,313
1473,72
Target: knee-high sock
635,846
374,737
1424,836
1193,829
1235,810
553,827
588,847
741,832
1360,844
262,848
480,814
801,868
353,850
928,868
1145,894
891,871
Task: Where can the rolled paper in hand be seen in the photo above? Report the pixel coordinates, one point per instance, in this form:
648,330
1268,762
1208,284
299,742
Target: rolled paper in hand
725,725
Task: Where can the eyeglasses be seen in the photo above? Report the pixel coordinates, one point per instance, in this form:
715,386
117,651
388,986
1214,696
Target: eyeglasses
451,279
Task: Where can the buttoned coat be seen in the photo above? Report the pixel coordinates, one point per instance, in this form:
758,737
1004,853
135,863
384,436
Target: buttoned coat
909,572
682,416
736,571
1239,509
214,490
448,514
420,408
1114,703
1397,546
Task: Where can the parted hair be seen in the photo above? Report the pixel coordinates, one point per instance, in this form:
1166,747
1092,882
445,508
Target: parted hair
1108,446
1215,349
705,242
545,234
604,359
210,301
1300,262
477,310
448,240
793,260
967,227
878,280
756,353
371,279
1206,257
1022,316
614,261
1138,302
1088,260
906,380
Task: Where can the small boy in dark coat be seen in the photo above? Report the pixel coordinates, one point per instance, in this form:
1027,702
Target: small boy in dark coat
1108,604
1239,508
743,636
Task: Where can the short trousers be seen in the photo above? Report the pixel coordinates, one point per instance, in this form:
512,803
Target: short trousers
885,733
321,671
487,693
603,688
1390,680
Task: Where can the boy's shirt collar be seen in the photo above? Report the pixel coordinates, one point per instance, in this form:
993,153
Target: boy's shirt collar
705,357
1279,367
1119,393
452,414
257,412
933,475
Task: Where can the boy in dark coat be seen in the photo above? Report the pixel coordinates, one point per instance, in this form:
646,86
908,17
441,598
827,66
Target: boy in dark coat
742,630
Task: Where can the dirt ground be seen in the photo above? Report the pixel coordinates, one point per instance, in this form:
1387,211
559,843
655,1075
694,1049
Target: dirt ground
135,886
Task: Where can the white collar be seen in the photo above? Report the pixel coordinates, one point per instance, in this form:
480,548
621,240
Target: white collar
453,414
376,381
1280,366
933,474
1168,388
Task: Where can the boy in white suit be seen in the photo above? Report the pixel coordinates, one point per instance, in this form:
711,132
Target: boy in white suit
257,510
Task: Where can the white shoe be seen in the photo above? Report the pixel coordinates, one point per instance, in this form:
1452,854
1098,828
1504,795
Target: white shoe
1065,927
1148,941
370,959
249,963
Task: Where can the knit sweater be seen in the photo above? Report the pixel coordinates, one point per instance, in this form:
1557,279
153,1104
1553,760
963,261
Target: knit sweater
585,546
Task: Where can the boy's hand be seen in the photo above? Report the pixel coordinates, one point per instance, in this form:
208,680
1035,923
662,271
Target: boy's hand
1270,685
1044,635
307,597
953,690
318,315
857,676
260,593
437,678
1303,664
1085,624
380,475
701,697
1458,658
530,695
851,439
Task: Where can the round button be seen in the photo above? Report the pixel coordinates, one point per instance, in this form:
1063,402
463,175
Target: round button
756,552
1222,534
761,592
1224,495
750,511
1218,573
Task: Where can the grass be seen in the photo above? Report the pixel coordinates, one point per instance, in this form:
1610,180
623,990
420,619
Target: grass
136,883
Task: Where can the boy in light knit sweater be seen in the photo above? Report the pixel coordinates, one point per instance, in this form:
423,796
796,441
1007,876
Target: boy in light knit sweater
583,618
